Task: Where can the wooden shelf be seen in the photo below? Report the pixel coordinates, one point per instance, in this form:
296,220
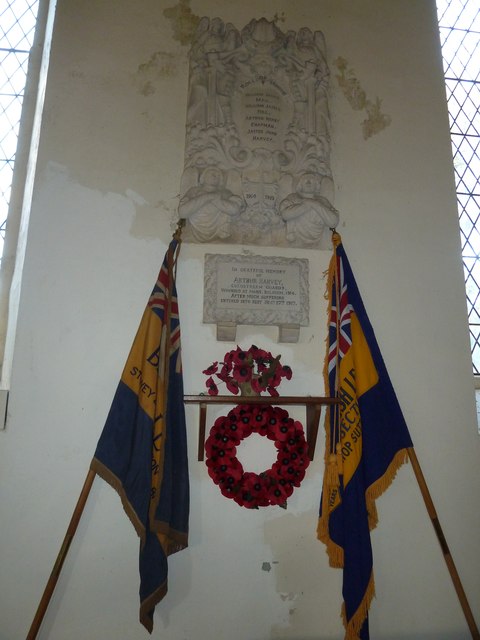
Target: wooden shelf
313,406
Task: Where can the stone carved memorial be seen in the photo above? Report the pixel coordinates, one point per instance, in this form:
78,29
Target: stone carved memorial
256,290
257,151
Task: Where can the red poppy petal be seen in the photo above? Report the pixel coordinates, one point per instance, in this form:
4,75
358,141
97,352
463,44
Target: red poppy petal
211,369
287,372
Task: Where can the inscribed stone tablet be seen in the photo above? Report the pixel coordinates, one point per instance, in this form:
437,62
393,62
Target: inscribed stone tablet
255,290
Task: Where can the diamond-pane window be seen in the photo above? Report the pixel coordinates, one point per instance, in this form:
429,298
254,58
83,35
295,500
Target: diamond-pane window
459,23
17,26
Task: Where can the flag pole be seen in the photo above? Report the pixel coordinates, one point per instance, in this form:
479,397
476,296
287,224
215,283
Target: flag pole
443,544
62,554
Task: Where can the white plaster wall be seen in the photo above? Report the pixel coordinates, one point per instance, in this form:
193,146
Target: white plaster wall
108,176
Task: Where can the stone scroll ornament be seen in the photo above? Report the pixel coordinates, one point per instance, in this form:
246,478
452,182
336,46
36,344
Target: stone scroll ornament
257,150
252,372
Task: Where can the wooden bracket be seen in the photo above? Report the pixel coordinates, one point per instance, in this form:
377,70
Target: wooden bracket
313,405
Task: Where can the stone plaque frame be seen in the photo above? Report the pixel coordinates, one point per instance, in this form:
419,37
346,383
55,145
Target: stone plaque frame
256,290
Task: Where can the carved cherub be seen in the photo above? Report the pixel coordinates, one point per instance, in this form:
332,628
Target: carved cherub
210,207
307,213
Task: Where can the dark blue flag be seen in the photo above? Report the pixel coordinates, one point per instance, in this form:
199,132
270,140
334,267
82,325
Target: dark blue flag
142,451
366,442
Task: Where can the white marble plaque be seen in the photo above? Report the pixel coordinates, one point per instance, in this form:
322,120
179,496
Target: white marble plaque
255,290
257,150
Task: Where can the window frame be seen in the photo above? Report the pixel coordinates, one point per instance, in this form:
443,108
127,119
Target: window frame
21,192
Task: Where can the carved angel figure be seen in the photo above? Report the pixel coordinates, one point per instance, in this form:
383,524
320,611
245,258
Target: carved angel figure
210,207
307,213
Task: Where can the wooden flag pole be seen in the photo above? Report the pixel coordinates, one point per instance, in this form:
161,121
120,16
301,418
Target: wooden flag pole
443,544
52,581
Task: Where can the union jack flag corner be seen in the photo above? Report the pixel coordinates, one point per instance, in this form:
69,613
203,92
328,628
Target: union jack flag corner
142,451
367,440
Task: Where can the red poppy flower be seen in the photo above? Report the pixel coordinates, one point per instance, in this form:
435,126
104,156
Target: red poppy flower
245,499
238,424
234,432
244,425
253,492
275,419
283,430
242,373
281,486
218,470
240,357
234,472
286,469
298,477
237,412
221,423
253,482
220,447
212,387
259,419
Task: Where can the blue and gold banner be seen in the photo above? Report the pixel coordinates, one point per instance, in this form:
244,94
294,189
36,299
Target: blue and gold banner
142,452
366,442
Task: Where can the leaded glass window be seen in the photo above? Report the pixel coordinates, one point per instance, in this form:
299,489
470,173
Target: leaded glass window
459,22
17,27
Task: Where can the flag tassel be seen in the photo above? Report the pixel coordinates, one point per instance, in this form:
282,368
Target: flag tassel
332,472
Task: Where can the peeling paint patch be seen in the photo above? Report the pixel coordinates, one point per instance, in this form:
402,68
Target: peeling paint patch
184,22
350,85
147,89
148,216
376,121
288,597
266,566
356,96
135,197
160,63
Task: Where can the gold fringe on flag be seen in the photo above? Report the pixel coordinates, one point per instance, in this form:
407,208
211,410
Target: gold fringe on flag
334,552
376,489
354,626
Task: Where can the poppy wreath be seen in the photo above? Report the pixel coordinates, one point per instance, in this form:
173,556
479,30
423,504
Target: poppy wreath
271,487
